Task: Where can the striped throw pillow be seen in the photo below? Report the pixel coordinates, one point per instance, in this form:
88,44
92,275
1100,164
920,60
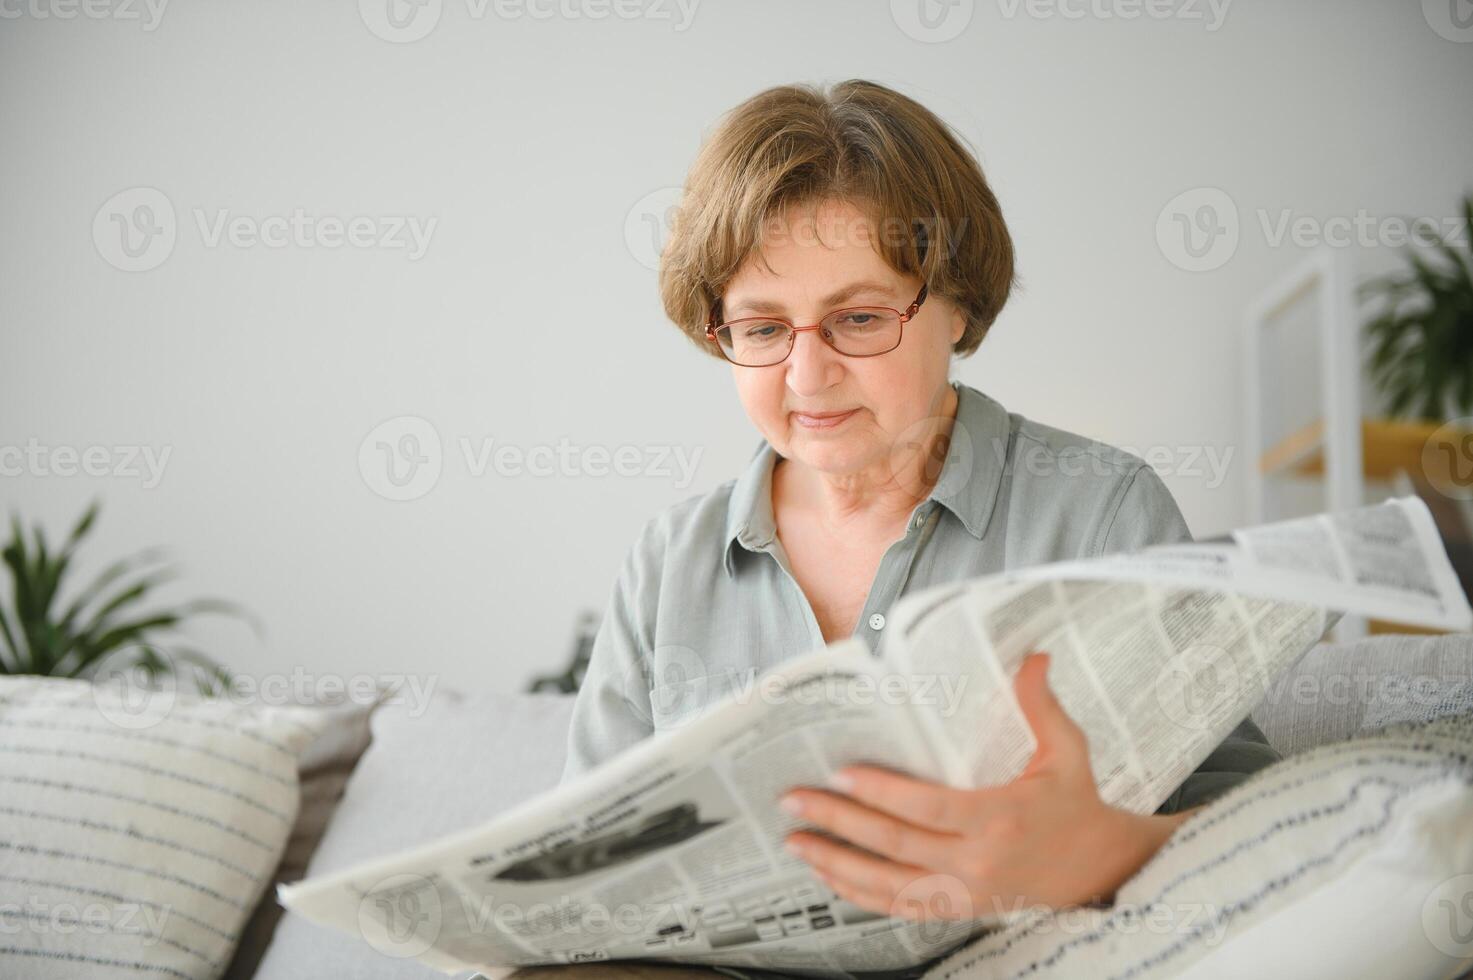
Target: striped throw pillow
1353,859
137,833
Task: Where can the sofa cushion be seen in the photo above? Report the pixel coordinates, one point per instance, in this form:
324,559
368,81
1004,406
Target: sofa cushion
322,772
141,827
1348,860
1331,692
425,774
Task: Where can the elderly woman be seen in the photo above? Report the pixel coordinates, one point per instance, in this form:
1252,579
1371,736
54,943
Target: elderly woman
838,250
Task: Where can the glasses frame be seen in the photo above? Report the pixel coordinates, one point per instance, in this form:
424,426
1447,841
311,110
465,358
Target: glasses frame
793,329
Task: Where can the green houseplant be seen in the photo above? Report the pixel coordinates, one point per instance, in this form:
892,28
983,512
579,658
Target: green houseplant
106,622
1421,341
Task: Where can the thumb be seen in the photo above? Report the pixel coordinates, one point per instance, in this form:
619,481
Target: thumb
1060,741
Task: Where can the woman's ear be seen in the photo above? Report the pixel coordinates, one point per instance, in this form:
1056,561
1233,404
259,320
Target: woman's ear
958,325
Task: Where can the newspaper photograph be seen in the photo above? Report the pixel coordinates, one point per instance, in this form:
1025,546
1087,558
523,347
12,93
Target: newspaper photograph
674,850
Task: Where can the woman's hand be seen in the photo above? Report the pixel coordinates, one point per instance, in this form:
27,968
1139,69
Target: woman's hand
934,852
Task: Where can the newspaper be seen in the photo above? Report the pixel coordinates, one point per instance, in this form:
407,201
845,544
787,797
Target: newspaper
673,850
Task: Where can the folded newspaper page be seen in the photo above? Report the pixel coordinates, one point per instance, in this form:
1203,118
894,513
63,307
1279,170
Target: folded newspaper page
674,849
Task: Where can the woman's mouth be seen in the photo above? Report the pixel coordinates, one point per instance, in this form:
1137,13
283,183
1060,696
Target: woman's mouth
822,420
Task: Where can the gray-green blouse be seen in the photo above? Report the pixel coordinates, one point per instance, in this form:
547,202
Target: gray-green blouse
706,596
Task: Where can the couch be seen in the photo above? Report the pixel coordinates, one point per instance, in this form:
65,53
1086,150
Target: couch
381,777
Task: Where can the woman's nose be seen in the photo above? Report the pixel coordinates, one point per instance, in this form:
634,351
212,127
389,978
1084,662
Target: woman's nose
813,365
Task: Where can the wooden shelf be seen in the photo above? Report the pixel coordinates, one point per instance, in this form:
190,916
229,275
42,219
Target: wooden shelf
1387,446
1377,626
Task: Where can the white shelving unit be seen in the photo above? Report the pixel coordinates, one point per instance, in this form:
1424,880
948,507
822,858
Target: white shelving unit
1304,430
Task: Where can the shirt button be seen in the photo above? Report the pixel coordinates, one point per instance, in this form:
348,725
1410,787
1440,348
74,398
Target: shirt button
877,622
917,521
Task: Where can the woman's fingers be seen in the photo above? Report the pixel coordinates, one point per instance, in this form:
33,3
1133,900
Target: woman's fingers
883,833
884,887
1061,742
934,806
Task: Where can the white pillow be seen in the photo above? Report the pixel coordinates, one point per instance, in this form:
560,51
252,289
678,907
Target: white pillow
138,832
456,765
1349,860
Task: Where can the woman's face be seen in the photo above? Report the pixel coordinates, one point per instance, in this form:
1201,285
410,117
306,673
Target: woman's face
816,255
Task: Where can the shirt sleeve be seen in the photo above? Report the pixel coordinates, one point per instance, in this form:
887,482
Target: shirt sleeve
1145,514
1148,515
612,709
1240,755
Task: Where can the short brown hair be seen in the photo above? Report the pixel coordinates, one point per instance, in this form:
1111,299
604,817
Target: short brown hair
863,143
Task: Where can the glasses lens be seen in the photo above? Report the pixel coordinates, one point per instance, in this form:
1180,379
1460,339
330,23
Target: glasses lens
863,332
754,343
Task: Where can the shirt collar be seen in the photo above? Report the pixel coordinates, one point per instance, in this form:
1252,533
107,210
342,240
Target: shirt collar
967,486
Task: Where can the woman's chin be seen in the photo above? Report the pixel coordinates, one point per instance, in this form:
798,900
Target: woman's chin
833,456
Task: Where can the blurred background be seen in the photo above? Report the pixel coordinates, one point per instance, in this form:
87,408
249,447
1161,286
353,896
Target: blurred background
353,307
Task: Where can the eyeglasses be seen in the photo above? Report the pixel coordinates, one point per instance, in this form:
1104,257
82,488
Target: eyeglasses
859,331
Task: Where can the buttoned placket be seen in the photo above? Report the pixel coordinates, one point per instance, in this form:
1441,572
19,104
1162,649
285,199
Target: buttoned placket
890,577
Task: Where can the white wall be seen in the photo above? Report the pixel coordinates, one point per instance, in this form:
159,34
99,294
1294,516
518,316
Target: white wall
533,142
